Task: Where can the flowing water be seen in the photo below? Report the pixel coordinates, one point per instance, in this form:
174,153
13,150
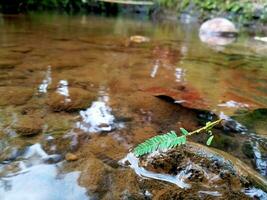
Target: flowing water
79,85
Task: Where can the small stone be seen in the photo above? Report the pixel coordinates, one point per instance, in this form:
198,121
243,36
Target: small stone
71,157
139,39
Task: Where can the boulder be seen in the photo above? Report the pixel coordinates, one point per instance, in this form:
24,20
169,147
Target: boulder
218,31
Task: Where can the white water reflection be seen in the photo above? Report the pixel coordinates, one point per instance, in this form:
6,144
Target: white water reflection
34,180
212,193
42,182
155,69
64,90
46,82
179,74
233,104
99,116
256,193
134,164
261,163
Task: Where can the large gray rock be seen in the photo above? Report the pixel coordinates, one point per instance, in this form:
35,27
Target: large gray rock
218,31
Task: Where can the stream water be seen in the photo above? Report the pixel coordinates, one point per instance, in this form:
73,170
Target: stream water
77,85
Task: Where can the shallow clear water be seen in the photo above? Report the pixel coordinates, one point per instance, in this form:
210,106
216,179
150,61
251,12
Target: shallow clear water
80,85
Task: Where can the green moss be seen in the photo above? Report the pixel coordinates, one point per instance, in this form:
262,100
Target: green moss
254,119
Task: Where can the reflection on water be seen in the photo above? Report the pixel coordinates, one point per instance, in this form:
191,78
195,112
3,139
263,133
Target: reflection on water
234,104
46,82
63,89
32,179
99,116
155,69
42,182
261,162
179,74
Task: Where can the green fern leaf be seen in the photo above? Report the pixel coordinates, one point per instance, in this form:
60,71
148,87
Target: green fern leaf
161,142
185,132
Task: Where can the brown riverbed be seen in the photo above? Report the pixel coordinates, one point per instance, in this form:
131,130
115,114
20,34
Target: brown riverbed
77,86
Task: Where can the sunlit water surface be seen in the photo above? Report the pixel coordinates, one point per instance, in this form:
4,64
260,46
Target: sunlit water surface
72,77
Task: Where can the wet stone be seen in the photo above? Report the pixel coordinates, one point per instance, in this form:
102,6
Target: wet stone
206,176
71,157
53,159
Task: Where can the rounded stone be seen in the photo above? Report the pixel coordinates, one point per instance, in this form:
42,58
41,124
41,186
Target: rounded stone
218,26
71,157
218,31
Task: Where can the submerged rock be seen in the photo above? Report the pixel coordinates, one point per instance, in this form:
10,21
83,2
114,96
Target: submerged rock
29,126
72,100
8,64
15,95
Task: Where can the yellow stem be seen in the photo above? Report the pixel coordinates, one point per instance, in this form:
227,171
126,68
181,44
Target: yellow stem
208,126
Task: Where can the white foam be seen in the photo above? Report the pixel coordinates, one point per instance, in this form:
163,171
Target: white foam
158,176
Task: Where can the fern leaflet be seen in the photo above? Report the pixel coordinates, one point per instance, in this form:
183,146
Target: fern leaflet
161,142
171,140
